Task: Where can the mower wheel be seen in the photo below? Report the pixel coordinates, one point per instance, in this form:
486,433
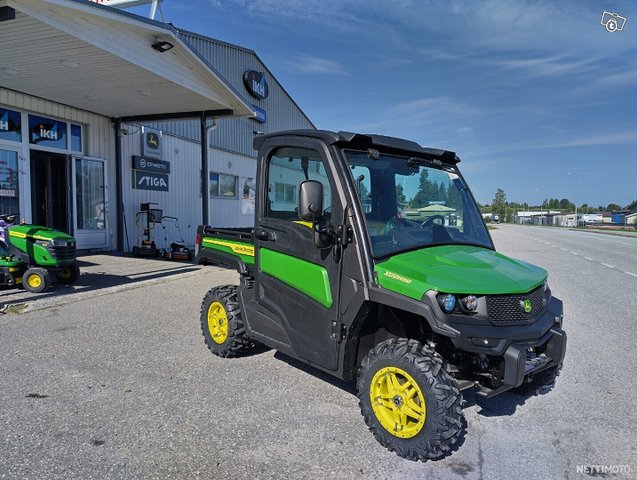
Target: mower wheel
410,404
221,323
68,275
36,279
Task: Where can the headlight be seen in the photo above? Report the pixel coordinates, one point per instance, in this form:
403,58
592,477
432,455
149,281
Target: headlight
59,243
447,302
42,243
470,302
545,285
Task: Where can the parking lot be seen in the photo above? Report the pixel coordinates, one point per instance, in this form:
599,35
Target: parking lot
111,379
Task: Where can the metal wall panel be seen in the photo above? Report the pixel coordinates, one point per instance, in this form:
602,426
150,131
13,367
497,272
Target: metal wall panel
182,200
236,134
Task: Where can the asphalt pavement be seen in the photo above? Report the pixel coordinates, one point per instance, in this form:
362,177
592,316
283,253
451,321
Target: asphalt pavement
111,379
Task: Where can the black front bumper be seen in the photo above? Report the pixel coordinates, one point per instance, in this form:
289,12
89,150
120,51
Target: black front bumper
515,344
518,365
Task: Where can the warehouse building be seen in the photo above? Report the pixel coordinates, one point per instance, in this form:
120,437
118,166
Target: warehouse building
102,111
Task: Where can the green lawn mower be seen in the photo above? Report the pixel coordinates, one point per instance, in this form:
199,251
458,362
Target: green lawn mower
34,255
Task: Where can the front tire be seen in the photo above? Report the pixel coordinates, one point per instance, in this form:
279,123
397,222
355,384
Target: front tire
68,275
36,279
410,404
221,323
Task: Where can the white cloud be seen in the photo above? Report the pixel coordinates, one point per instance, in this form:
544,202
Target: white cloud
313,65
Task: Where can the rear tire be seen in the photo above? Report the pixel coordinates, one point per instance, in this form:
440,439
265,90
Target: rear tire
410,404
221,323
36,279
68,275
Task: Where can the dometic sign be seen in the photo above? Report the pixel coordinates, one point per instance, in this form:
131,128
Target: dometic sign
150,165
150,181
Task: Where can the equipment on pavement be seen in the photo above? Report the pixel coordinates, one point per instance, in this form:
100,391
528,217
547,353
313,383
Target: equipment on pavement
34,255
369,259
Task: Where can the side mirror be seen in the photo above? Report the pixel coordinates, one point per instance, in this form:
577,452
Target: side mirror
310,201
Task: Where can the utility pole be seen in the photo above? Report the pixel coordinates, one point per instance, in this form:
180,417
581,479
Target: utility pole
575,202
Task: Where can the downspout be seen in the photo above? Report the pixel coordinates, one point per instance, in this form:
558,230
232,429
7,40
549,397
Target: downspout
119,194
205,130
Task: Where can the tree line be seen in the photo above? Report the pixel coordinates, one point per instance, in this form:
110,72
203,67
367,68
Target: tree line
506,210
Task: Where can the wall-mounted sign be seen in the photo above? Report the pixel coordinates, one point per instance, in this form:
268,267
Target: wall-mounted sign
47,132
150,165
151,142
150,181
10,125
261,114
255,84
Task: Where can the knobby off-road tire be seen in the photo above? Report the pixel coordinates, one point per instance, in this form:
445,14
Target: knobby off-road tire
541,383
221,323
68,275
411,405
36,279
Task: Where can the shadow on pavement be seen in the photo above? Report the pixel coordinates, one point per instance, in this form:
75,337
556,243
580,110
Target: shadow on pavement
97,276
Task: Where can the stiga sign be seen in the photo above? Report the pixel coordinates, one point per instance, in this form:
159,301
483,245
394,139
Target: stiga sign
150,181
150,174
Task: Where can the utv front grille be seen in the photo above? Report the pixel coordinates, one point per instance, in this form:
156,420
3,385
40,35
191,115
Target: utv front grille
509,309
63,253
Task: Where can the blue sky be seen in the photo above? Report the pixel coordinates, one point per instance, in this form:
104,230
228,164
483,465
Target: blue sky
536,97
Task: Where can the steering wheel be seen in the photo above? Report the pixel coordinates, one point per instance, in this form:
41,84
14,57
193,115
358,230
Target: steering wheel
430,221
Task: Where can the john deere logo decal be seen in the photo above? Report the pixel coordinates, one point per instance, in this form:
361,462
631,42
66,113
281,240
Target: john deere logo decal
526,305
152,139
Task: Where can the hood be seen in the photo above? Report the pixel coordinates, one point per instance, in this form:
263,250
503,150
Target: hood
39,233
457,269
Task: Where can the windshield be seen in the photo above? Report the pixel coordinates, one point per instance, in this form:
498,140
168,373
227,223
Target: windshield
411,203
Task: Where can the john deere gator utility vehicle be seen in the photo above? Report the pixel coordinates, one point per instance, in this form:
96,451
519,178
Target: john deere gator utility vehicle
34,255
369,260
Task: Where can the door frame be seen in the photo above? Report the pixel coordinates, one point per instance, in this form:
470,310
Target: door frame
90,238
329,358
19,150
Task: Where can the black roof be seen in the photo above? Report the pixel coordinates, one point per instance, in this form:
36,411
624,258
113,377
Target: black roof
365,141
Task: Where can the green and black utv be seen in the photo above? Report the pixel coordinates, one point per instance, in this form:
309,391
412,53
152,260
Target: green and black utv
34,255
370,260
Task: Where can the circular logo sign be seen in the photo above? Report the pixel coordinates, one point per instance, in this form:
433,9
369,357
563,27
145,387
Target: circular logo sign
255,84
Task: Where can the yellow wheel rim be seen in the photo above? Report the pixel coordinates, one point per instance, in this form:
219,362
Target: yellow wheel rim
34,281
218,323
65,274
398,402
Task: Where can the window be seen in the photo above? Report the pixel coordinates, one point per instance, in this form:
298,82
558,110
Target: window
76,138
287,169
9,195
10,125
284,193
223,185
90,194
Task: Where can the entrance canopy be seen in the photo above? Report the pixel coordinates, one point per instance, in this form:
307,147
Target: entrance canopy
107,61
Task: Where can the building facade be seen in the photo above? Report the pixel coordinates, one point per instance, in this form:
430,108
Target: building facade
110,112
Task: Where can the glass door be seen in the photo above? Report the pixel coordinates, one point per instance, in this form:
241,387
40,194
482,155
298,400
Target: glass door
9,188
91,219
